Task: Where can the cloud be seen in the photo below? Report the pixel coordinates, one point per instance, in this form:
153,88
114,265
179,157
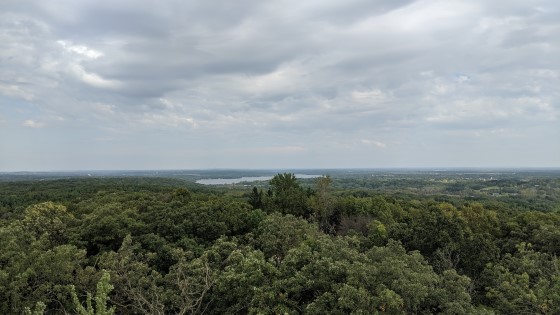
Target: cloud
33,124
167,120
281,150
92,79
80,50
375,143
319,75
17,91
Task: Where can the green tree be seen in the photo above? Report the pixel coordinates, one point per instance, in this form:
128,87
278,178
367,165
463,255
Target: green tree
256,198
277,234
188,284
39,309
322,205
288,197
138,287
36,266
526,282
48,219
101,299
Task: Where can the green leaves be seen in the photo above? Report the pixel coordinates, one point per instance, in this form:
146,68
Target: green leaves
525,282
101,299
168,250
277,234
287,196
36,264
48,220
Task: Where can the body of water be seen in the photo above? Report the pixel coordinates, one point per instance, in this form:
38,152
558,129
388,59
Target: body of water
230,181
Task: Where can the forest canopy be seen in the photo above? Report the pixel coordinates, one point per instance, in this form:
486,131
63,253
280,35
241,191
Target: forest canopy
318,246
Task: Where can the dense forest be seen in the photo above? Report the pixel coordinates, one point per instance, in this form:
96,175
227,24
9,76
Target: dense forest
330,245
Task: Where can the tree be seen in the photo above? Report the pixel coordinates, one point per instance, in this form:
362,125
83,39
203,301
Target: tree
33,267
182,194
283,183
101,299
526,282
189,282
287,196
277,234
138,286
48,218
39,309
256,198
322,205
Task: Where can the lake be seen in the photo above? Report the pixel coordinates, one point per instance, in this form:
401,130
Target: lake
230,181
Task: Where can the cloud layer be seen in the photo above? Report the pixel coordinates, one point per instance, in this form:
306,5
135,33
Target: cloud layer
185,84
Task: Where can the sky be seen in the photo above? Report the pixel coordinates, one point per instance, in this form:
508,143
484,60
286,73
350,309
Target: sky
146,84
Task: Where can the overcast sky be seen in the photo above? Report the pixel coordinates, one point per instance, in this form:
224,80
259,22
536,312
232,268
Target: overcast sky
145,84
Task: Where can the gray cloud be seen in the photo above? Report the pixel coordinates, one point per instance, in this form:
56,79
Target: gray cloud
278,83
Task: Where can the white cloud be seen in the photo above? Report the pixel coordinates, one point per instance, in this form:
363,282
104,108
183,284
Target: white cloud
15,91
33,124
367,96
283,80
375,143
104,109
462,78
491,111
93,79
80,49
167,120
271,150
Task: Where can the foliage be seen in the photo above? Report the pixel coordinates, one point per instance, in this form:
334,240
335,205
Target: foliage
104,288
154,246
287,196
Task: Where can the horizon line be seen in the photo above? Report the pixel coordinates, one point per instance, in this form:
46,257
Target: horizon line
430,168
